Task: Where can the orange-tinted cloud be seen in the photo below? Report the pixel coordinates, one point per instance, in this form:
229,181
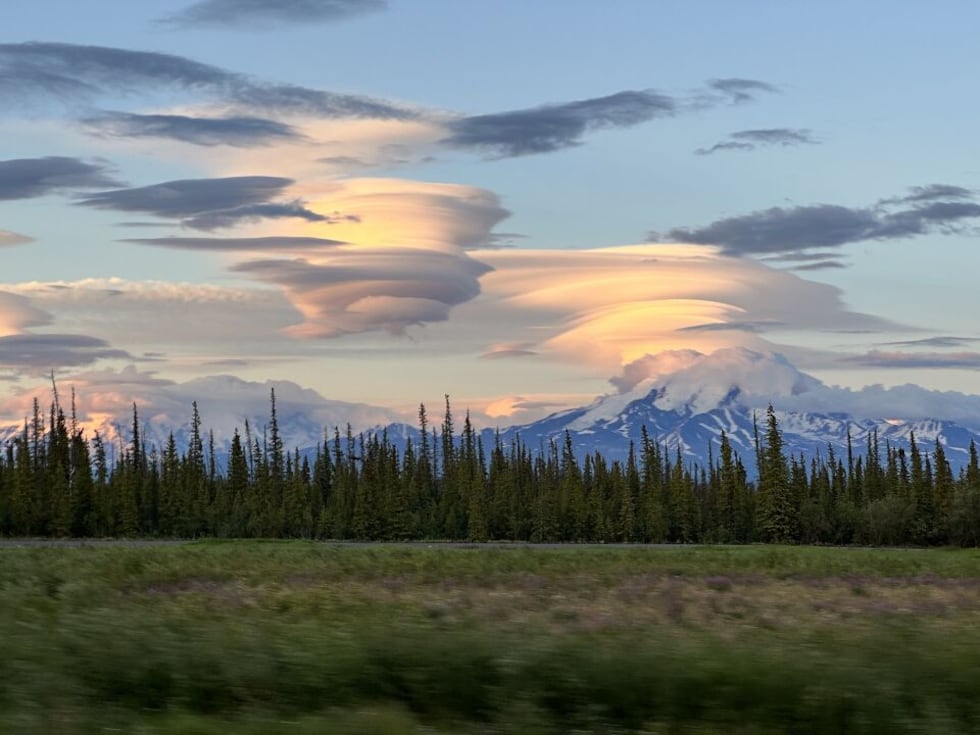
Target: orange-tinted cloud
608,307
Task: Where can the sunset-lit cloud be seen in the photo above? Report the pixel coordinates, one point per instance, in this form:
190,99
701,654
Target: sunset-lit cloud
609,307
518,408
17,313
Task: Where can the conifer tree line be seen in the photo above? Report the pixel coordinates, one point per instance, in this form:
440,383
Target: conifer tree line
450,484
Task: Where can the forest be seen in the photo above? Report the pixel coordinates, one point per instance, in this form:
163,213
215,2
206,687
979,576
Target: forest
450,485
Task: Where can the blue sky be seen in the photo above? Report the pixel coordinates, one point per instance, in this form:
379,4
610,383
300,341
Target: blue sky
179,198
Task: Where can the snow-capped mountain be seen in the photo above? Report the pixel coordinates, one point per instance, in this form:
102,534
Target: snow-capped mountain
684,399
687,399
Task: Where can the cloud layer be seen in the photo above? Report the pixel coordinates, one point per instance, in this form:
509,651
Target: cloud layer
937,209
750,140
739,90
553,127
237,131
268,14
609,307
42,352
209,204
24,178
62,72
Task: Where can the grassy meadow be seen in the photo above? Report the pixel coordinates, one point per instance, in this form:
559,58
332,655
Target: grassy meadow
297,637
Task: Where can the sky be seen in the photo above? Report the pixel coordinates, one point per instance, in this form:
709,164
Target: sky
518,204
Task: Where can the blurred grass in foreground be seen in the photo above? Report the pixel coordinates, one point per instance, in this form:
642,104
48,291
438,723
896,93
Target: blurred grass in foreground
293,637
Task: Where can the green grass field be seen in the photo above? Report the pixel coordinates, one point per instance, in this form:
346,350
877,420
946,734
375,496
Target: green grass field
293,637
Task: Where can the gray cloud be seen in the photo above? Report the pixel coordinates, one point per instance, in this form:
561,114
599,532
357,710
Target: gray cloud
939,341
781,230
777,229
14,238
64,68
255,212
553,127
289,98
750,140
820,265
799,257
59,70
740,90
189,197
239,244
728,145
753,327
881,359
241,132
934,216
141,225
23,178
505,354
210,204
932,192
47,351
268,14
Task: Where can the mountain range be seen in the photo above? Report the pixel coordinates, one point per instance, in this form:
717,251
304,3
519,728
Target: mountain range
685,399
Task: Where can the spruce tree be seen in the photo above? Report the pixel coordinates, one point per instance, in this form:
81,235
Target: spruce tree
778,515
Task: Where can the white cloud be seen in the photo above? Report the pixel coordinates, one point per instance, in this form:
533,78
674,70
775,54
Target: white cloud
105,398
